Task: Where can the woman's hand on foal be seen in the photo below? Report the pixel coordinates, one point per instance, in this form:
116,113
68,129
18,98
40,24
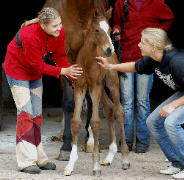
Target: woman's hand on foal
103,62
73,71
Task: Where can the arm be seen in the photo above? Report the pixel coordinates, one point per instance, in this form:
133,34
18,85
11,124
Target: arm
123,67
117,17
176,67
165,15
169,108
60,58
145,65
33,57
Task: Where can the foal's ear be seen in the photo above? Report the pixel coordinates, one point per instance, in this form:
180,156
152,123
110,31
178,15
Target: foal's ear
108,13
96,13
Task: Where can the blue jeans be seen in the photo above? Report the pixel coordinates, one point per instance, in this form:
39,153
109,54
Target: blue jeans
168,131
136,87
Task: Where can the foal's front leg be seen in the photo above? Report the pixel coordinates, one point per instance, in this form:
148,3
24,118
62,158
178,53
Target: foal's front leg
95,126
76,124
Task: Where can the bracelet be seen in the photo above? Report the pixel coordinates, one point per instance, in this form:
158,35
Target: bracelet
109,67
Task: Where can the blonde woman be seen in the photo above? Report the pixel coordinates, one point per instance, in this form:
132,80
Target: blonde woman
39,39
165,122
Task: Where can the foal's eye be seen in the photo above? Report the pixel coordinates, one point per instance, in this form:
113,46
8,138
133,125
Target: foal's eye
97,31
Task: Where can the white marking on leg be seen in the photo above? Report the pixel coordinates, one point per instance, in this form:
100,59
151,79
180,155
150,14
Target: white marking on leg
112,152
91,138
73,159
96,167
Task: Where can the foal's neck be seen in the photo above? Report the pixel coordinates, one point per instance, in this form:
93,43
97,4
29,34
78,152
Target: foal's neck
90,45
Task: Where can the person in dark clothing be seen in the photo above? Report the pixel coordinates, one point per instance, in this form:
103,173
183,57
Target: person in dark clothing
165,122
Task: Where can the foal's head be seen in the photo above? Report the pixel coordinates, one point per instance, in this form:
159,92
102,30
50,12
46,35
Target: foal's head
100,32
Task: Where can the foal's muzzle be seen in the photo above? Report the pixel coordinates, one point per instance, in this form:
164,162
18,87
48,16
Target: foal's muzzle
108,52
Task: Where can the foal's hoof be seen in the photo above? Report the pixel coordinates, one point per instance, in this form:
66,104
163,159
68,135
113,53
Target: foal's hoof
105,163
125,165
96,173
89,148
64,156
67,173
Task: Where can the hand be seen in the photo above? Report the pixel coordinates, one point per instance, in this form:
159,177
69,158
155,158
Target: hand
167,109
117,38
73,71
102,62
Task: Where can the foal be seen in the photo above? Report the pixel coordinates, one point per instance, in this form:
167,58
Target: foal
97,43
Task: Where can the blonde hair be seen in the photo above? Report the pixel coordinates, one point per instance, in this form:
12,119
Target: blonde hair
158,38
45,16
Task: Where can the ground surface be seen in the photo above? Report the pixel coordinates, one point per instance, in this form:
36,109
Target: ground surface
143,166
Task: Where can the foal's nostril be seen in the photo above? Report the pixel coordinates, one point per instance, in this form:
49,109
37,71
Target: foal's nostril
108,52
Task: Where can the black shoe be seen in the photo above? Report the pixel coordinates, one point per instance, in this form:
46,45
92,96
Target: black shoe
31,169
64,155
48,166
141,149
119,146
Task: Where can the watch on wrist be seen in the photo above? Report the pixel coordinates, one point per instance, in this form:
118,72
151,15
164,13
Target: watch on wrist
109,66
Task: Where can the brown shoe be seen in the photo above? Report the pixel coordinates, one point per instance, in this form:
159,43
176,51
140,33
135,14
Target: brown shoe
48,166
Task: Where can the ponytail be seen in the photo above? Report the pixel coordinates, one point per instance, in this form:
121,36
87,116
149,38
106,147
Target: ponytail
28,22
45,16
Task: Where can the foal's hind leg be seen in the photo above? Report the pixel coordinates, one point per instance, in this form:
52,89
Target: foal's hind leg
109,115
76,124
112,82
89,143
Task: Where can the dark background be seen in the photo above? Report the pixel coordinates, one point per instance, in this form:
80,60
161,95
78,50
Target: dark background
15,12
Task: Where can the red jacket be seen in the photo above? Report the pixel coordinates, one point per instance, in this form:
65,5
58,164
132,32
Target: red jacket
28,64
153,13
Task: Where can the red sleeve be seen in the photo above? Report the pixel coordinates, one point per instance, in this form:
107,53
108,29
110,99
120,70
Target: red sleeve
165,15
118,15
32,52
59,56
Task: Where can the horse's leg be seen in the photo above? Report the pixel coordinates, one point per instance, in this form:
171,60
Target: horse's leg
68,106
89,138
112,82
76,124
109,115
95,94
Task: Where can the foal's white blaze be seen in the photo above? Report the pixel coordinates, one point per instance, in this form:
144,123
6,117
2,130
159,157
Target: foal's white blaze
112,152
105,27
73,158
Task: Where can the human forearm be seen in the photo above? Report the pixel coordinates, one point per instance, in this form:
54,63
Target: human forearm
169,108
178,102
124,67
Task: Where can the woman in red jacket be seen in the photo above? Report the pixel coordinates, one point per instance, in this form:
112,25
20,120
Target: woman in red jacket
141,14
24,66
